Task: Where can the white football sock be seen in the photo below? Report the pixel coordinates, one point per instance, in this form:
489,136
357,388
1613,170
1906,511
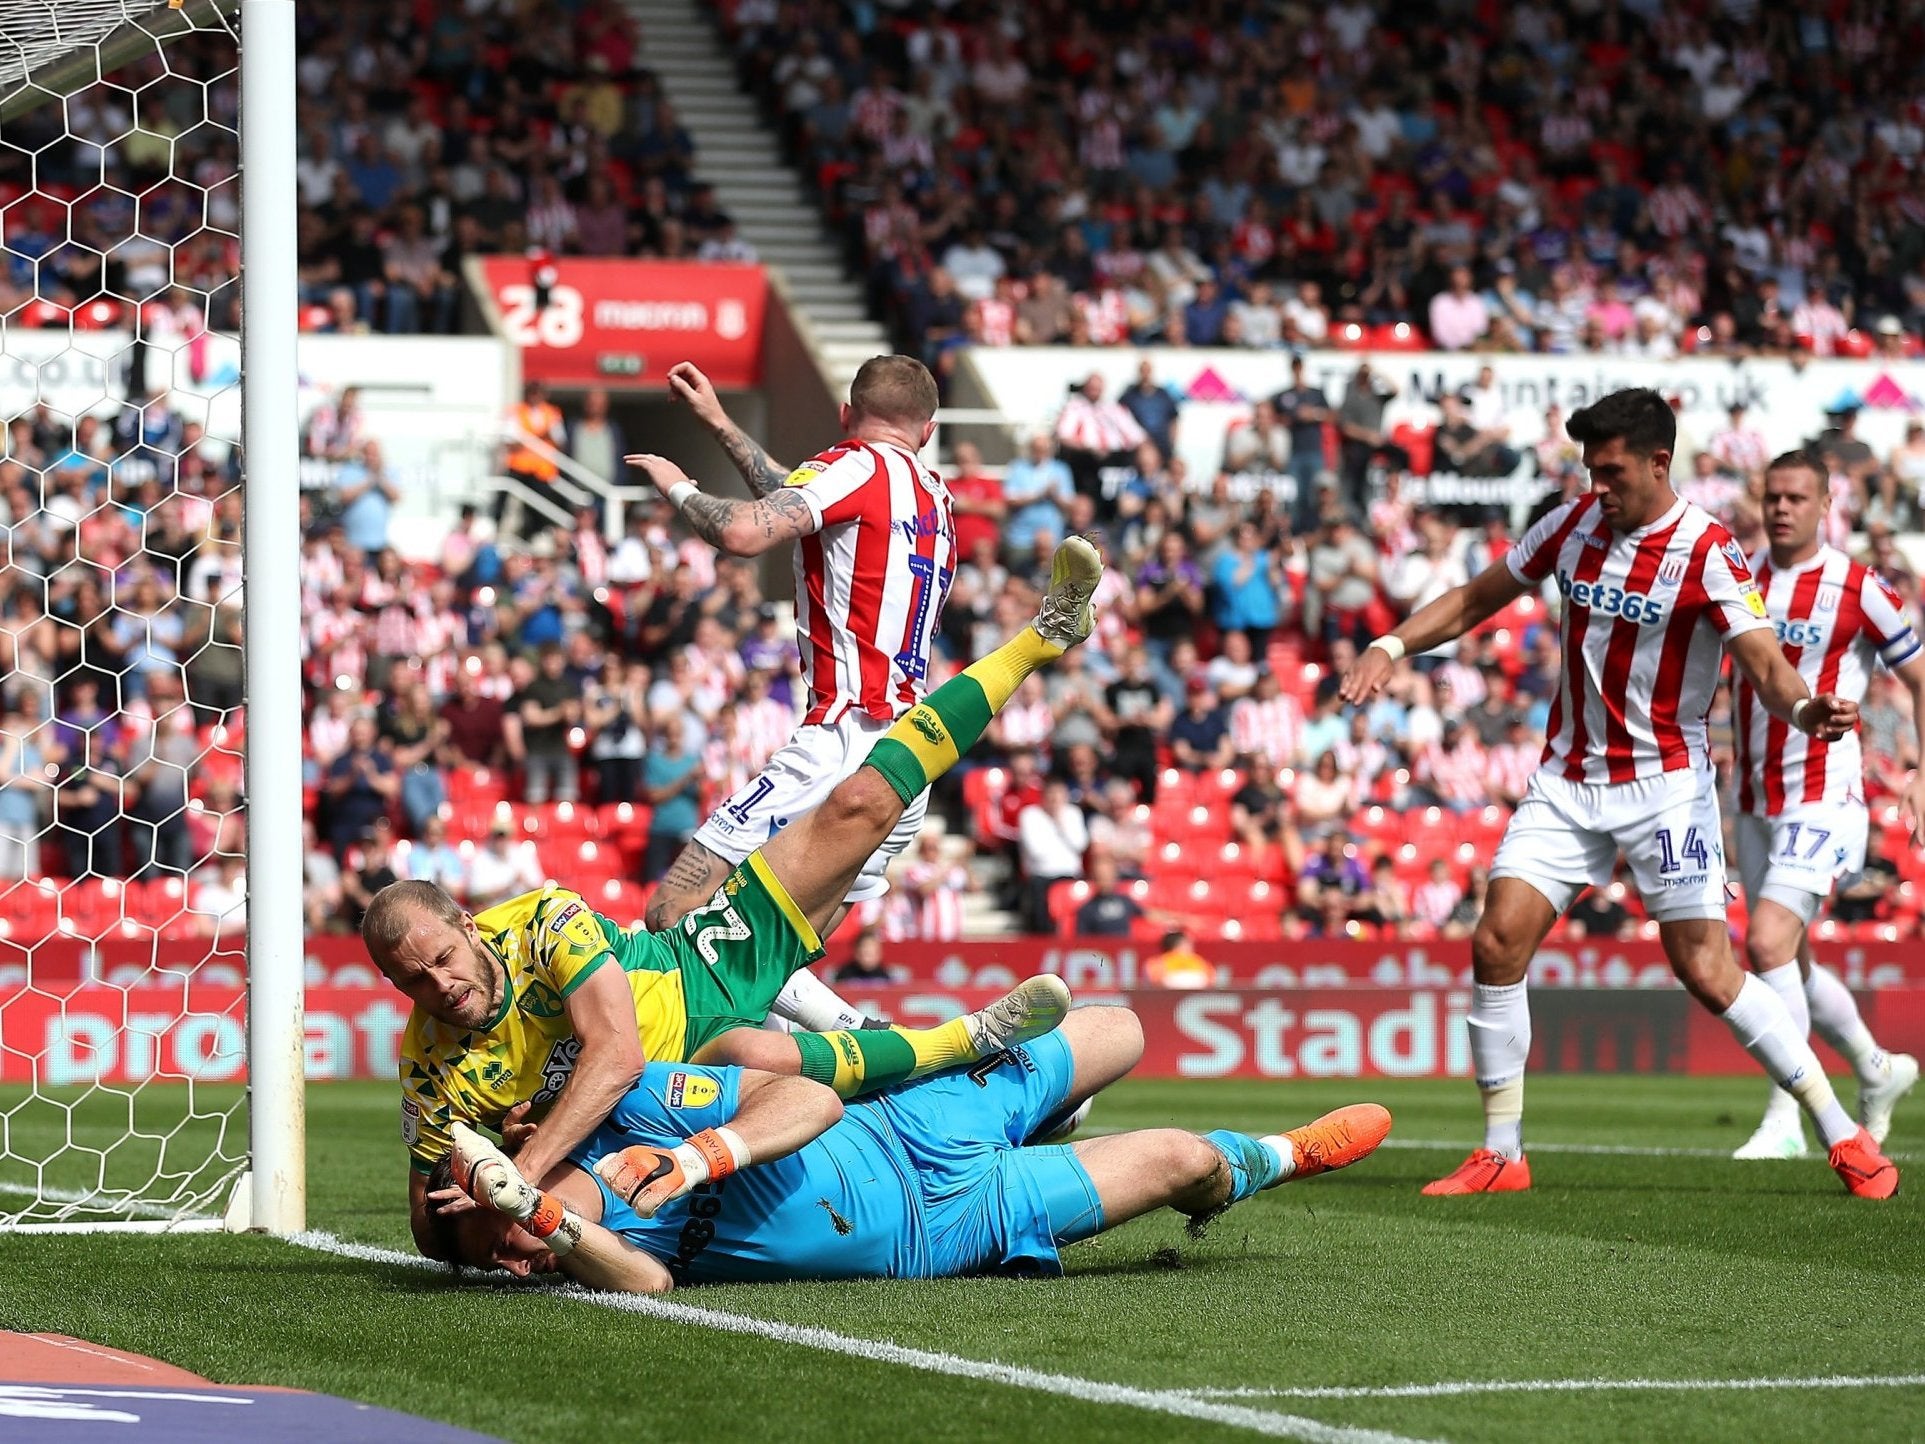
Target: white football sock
1834,1013
1500,1044
1789,984
1762,1026
810,1003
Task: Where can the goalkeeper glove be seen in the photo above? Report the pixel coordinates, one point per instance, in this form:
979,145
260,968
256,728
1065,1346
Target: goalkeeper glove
485,1174
648,1179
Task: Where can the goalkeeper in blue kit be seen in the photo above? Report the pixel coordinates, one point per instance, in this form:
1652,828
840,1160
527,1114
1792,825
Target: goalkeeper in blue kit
705,1175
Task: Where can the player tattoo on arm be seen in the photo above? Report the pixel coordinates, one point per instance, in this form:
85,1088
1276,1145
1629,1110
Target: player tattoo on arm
763,474
749,528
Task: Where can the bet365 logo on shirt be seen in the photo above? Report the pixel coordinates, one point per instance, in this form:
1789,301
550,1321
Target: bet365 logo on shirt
1611,601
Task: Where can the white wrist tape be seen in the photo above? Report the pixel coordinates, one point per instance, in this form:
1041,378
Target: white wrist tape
1391,645
699,1167
1798,710
679,494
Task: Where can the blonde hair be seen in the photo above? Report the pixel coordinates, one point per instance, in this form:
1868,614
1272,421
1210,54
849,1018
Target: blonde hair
896,389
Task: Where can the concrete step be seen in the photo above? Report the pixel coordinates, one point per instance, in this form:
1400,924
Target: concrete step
834,294
835,316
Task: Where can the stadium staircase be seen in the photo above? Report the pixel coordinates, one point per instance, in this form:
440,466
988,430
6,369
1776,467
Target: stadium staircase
766,198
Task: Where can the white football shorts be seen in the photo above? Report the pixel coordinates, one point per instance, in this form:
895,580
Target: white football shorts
1795,858
1566,834
800,775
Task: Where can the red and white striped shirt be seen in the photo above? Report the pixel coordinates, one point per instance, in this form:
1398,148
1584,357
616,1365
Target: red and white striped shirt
1271,730
1646,616
1835,618
936,890
875,575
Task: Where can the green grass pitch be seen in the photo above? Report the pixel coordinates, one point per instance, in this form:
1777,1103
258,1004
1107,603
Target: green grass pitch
1617,1267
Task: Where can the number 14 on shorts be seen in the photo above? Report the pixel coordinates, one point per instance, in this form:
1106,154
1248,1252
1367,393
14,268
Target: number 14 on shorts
1693,850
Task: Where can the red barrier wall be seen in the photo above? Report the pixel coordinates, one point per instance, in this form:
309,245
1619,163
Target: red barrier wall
95,1033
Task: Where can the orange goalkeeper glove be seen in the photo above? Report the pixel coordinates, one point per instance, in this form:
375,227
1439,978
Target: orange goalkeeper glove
648,1179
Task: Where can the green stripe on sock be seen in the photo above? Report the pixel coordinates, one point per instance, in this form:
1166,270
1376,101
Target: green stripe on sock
899,768
818,1057
964,710
887,1058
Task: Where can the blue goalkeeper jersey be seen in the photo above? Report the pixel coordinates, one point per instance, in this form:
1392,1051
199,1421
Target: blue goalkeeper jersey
843,1206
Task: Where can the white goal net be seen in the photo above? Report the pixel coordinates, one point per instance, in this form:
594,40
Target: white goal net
123,836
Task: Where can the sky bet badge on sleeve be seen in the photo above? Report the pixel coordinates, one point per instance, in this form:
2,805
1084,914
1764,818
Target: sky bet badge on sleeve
1755,603
691,1090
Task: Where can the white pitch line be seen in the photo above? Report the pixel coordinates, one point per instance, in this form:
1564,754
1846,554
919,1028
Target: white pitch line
1567,1386
158,1217
1620,1150
1181,1404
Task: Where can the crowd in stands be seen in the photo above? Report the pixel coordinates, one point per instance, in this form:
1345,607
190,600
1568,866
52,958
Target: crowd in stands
428,133
1730,178
511,709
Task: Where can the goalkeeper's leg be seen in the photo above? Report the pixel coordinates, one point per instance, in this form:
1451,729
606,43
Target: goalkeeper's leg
1203,1174
818,856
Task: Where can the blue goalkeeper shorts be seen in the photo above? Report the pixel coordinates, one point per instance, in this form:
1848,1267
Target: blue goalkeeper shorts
989,1204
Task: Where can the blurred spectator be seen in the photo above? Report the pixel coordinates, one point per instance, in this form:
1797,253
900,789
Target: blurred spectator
596,440
535,727
1178,965
933,889
672,786
1095,433
217,894
1437,897
1200,736
501,868
867,962
432,858
1036,488
1157,409
1600,913
1108,911
1305,410
1332,876
368,499
361,785
533,424
1249,589
980,502
368,869
1052,838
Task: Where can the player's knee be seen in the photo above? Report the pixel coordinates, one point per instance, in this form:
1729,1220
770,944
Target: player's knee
1763,951
1193,1162
863,800
1500,954
752,1048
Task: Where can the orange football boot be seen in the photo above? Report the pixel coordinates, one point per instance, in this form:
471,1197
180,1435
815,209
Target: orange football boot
1485,1171
1867,1172
1338,1139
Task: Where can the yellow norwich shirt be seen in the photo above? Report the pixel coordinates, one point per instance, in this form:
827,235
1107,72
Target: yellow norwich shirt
550,942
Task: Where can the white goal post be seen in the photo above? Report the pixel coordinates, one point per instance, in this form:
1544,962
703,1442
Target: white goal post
150,619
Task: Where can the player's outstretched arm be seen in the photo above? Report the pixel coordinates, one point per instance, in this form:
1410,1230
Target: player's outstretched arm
688,385
740,528
774,1116
601,1013
1784,693
1449,617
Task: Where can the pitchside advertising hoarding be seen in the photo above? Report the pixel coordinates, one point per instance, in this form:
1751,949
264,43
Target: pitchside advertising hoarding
588,322
1786,400
1334,1010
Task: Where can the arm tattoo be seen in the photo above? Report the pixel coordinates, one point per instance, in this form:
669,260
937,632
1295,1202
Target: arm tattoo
709,516
780,517
763,474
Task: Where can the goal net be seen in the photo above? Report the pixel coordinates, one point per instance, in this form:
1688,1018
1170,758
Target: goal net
123,718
